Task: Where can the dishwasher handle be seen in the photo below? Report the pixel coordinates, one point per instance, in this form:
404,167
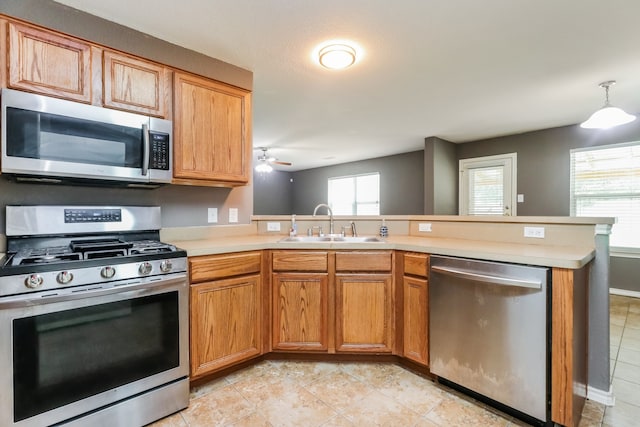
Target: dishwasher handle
486,278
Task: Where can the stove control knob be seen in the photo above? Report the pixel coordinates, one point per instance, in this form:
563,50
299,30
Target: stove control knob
166,266
145,268
33,281
108,272
64,277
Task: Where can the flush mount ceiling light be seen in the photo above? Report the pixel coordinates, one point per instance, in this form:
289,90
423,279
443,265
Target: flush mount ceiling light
608,116
337,54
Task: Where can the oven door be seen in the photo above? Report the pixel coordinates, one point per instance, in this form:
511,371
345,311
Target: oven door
66,353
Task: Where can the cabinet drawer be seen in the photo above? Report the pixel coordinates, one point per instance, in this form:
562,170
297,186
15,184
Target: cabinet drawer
299,261
416,264
218,266
363,261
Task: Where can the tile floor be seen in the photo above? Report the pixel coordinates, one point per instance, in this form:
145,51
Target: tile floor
289,393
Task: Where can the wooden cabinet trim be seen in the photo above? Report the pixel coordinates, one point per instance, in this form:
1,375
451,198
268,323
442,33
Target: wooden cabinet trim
300,261
416,264
370,261
211,267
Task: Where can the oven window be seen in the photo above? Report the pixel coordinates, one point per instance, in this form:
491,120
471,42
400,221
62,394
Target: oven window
62,357
37,135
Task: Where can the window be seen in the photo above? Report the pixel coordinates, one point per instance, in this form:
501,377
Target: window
488,185
605,181
355,195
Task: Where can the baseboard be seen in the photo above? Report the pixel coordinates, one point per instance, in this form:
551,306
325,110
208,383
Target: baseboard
624,293
601,396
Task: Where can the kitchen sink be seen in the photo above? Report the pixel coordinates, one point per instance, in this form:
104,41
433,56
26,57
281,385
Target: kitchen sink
332,239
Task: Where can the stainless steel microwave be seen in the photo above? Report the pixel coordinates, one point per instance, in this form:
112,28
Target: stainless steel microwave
55,140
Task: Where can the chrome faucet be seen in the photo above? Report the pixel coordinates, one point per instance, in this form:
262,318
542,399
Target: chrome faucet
329,211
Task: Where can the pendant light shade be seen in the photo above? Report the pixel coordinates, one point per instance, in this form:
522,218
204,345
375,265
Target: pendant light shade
608,116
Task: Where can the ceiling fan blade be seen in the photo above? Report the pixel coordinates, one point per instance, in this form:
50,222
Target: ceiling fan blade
275,162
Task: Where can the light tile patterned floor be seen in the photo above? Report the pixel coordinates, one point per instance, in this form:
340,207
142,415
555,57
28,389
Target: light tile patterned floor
288,393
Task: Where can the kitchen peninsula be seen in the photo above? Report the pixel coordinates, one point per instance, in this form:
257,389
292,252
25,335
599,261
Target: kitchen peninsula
272,280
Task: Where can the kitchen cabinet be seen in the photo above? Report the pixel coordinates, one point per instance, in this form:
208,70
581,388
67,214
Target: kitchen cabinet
49,63
212,132
226,311
54,64
364,302
415,315
136,85
300,300
330,301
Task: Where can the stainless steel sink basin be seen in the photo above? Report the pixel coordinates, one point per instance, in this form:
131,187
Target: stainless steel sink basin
332,239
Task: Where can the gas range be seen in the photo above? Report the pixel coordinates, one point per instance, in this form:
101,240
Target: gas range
53,247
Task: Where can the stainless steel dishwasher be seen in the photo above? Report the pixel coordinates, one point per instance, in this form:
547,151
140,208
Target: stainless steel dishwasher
488,331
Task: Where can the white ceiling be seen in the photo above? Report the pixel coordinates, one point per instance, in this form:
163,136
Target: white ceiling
460,70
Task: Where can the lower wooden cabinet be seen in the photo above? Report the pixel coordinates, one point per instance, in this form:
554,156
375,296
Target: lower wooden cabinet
226,313
300,304
225,326
364,313
415,305
416,319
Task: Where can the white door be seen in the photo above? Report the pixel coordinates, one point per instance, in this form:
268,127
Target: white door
488,185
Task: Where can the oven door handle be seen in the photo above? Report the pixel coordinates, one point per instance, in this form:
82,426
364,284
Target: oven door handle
132,289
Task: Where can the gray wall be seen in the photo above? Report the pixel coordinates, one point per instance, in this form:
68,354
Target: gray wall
181,205
440,177
543,161
273,193
401,183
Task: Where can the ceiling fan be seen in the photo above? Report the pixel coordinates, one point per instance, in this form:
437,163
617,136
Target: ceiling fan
265,161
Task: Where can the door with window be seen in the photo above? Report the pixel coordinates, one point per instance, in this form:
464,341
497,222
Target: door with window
488,185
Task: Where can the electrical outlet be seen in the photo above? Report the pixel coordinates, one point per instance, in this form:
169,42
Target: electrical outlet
536,232
233,215
424,226
273,226
520,198
212,215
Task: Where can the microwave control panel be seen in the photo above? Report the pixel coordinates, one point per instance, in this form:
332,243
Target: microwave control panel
159,151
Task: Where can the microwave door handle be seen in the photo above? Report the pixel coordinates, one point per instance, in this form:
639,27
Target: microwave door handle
145,149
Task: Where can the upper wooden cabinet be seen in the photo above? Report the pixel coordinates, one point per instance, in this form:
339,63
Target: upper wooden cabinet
212,132
135,85
49,63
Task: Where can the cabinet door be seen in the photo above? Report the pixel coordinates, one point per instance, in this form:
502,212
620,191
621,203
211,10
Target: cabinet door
135,85
49,63
300,311
364,313
212,124
416,319
225,323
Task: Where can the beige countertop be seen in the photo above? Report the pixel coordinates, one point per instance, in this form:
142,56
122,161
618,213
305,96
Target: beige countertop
572,257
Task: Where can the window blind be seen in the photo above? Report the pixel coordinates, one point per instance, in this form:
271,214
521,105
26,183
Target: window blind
486,191
605,181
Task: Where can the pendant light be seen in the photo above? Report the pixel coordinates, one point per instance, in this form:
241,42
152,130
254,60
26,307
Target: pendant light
608,116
